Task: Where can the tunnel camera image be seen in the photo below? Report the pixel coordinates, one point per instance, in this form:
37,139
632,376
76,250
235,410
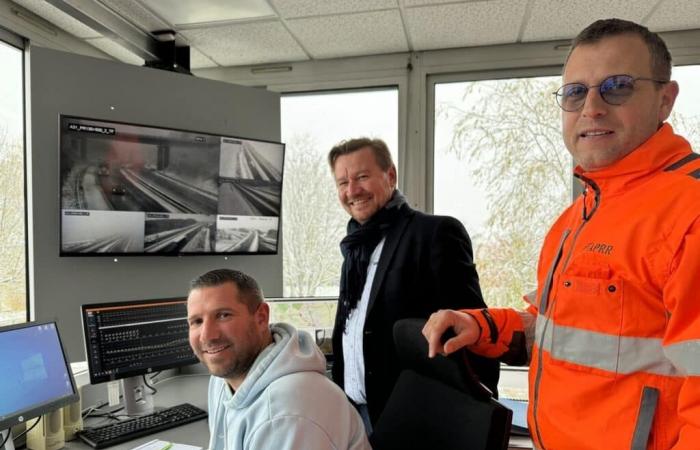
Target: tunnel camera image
179,233
250,178
246,234
102,231
111,166
158,191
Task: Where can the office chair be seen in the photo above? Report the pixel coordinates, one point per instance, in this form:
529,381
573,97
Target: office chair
438,403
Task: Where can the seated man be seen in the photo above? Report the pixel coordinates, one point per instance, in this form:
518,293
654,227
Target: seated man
268,390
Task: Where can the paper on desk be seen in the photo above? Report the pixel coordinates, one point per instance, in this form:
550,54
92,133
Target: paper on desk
157,444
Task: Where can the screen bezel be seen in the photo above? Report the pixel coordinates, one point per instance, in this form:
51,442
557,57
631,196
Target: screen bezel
121,304
33,411
63,253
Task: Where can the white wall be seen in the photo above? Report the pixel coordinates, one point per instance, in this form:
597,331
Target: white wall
62,83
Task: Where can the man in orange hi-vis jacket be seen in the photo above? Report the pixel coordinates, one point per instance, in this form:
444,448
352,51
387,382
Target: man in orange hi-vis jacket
612,334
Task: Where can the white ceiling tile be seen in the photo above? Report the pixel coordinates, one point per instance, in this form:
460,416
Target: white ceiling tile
246,43
115,50
564,19
351,34
677,15
59,18
464,24
305,8
179,12
137,14
199,60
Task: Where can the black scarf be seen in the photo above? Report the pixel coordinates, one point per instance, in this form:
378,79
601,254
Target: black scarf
357,247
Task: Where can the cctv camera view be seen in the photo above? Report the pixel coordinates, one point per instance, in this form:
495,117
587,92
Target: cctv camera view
130,189
251,178
246,234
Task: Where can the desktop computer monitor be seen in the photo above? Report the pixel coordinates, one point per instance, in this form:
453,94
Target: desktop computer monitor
127,340
36,378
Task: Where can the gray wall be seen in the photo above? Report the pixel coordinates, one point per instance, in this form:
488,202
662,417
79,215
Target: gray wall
63,83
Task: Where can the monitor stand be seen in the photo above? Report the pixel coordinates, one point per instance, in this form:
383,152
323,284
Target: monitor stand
9,445
138,399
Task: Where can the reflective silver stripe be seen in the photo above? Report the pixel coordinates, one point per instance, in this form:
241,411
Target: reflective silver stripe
529,328
685,355
618,354
682,162
695,173
647,408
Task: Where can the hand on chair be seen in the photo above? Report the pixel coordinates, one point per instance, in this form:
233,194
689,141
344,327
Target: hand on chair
448,331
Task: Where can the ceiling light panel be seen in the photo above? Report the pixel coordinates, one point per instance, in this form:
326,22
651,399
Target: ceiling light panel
59,18
115,50
184,13
246,43
554,19
307,8
351,34
137,14
464,24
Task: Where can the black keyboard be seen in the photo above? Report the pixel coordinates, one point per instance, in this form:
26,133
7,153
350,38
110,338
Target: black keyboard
126,430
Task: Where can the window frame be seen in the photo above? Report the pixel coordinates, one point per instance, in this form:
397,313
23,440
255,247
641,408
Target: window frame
309,89
433,80
22,44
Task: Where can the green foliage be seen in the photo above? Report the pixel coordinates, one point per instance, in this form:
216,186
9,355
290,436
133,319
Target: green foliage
507,132
12,239
313,220
305,314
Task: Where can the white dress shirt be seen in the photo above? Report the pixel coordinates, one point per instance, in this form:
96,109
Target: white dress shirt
353,350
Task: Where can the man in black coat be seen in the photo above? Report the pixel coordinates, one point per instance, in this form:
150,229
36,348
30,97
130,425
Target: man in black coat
398,263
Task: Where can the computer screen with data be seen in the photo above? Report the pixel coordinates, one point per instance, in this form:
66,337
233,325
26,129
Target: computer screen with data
35,377
133,338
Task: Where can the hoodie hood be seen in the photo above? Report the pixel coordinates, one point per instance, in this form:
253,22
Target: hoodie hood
290,352
285,401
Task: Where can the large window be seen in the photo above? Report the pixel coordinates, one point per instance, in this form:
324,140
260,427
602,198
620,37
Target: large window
685,117
500,166
13,291
313,222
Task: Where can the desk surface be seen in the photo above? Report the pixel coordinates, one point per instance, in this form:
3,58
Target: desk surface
193,389
171,391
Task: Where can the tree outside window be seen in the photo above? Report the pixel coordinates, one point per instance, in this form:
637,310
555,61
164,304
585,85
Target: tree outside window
501,167
13,298
313,222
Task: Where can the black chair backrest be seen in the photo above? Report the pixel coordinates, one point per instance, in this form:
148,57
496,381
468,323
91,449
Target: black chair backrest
438,403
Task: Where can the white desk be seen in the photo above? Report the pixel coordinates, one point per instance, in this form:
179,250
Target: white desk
193,389
171,391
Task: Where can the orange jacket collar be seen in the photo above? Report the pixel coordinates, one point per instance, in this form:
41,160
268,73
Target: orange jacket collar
659,151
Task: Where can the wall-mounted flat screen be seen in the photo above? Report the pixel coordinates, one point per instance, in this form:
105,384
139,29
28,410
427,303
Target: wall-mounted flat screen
130,189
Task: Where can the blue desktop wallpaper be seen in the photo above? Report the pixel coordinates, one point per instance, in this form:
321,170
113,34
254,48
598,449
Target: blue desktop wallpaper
32,368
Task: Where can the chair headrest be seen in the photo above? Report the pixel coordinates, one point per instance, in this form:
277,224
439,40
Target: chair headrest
453,370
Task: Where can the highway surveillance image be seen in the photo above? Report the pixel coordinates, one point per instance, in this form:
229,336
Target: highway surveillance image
138,189
244,234
139,169
250,177
184,233
101,231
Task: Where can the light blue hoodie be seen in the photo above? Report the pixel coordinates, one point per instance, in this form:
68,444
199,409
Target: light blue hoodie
285,402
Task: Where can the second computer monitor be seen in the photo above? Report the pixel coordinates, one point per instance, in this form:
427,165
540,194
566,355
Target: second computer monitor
35,377
126,340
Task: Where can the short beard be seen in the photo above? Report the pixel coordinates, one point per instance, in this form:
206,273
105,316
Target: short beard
239,367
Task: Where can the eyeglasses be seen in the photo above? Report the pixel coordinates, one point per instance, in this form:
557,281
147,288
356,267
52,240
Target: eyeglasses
614,90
